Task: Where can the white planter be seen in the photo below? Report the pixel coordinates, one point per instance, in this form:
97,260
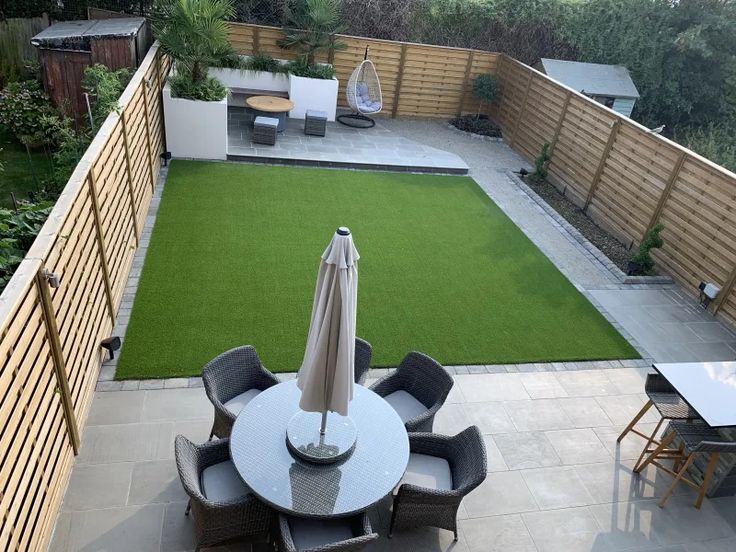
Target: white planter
320,94
195,129
251,80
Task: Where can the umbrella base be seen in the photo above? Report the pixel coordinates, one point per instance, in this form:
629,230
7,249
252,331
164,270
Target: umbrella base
305,441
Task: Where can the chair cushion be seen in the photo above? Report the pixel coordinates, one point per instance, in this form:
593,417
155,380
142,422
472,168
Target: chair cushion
237,403
312,533
429,472
406,406
221,482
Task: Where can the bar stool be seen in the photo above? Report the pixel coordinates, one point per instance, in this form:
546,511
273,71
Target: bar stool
668,403
697,438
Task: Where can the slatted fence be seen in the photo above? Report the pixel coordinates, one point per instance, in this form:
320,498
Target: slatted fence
50,336
627,178
417,80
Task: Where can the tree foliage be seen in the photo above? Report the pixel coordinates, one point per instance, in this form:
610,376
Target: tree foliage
312,28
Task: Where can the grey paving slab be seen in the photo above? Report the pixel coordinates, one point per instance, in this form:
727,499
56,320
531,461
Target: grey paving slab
578,446
537,415
566,530
497,534
116,408
105,444
155,482
584,412
501,493
490,417
100,486
526,450
557,487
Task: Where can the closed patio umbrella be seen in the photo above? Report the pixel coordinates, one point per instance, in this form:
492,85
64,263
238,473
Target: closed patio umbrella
326,375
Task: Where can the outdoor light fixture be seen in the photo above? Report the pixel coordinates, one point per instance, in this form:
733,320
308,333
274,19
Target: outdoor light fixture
166,156
708,292
52,278
111,344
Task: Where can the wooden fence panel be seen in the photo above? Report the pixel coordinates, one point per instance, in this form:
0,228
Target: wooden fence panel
417,80
35,451
50,351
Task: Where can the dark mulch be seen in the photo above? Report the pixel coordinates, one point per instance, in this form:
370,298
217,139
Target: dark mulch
477,125
610,246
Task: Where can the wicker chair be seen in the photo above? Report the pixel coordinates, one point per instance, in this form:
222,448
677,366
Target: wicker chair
695,438
231,380
416,390
442,470
222,506
668,403
363,354
333,535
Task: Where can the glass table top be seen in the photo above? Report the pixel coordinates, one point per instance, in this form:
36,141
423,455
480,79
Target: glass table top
284,481
708,387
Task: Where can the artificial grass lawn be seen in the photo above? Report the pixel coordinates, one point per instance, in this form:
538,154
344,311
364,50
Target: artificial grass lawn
18,174
235,250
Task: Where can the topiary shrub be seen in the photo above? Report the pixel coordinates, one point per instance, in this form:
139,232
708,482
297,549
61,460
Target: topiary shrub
540,164
485,87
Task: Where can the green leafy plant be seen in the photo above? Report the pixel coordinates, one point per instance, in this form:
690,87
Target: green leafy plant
261,61
194,33
18,229
104,87
312,28
644,264
541,164
485,87
316,71
26,112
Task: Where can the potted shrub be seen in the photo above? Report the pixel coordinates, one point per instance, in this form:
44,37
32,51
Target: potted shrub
259,72
642,263
194,34
311,31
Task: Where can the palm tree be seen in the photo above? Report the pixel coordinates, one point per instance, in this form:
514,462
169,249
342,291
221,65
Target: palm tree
312,30
194,33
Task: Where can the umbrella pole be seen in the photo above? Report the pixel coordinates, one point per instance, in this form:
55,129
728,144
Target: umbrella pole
323,426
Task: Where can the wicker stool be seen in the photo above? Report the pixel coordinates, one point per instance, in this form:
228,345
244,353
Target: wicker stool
315,122
264,130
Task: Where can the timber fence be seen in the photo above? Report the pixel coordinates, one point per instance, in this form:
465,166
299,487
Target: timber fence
627,178
63,300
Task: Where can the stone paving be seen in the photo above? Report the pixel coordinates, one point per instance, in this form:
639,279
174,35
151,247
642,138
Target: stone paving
377,148
556,482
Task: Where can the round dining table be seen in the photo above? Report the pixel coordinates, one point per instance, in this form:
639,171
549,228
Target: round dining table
271,106
286,482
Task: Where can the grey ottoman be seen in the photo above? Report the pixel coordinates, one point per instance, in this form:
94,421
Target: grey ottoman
315,122
264,130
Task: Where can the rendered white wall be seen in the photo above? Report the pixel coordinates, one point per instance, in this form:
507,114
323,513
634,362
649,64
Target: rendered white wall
317,94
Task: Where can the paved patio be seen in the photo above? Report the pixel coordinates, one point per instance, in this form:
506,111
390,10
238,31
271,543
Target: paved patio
557,481
377,148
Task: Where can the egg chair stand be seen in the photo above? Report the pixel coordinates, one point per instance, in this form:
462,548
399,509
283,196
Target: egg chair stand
364,95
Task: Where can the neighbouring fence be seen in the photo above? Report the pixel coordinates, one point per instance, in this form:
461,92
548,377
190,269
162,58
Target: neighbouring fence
417,80
50,336
626,178
15,44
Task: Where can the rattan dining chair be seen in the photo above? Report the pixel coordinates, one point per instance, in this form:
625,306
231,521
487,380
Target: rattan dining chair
363,355
668,403
231,380
222,507
442,470
416,390
695,438
325,535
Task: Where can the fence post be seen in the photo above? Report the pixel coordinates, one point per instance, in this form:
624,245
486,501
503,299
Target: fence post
602,162
561,120
256,40
466,80
399,79
159,100
523,107
57,356
129,170
667,190
149,149
101,243
725,290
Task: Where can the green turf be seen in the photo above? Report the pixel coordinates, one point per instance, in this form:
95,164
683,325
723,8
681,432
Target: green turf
235,251
18,174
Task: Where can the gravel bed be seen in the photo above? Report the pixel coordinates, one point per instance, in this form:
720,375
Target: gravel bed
609,246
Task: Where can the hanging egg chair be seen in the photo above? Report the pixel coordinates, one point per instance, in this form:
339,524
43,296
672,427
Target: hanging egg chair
364,95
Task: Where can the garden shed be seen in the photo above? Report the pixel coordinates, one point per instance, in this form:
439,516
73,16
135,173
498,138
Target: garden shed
68,47
610,85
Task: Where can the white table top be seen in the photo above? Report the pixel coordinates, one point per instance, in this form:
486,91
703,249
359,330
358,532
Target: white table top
708,387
